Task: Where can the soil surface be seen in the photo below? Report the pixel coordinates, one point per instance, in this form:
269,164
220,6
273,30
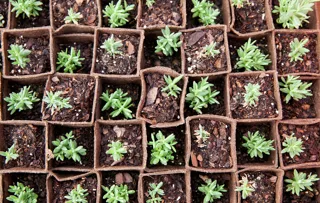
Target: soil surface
61,189
122,64
173,187
310,136
164,12
266,107
131,138
1,60
251,17
39,56
4,11
29,141
81,94
215,152
309,64
196,59
87,8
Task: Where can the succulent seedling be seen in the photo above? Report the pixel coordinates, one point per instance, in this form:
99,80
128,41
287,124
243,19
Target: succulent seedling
155,193
212,191
201,134
112,46
294,88
28,8
238,3
11,154
117,14
72,17
149,3
69,62
116,150
246,188
252,94
55,101
77,195
172,88
300,182
297,49
2,21
209,50
22,194
292,146
257,144
19,55
205,11
117,193
169,42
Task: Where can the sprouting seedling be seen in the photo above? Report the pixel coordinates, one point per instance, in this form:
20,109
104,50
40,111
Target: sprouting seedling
55,101
294,88
297,49
169,42
172,88
11,154
117,14
22,100
200,95
212,191
69,62
245,187
67,147
2,21
257,144
155,193
300,182
112,46
77,194
251,57
116,150
29,8
238,3
21,194
149,3
19,55
292,145
205,11
210,50
72,17
117,193
201,134
252,94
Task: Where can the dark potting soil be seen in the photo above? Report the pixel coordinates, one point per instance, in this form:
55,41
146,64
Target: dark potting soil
266,107
81,94
173,187
39,56
131,138
4,12
310,136
164,12
125,178
214,152
87,8
159,107
251,17
122,64
61,189
84,136
199,179
29,141
196,60
1,65
309,64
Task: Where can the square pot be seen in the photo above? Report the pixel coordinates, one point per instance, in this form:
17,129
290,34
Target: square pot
5,11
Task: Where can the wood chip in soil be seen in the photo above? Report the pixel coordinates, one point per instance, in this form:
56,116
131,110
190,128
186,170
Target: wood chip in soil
4,12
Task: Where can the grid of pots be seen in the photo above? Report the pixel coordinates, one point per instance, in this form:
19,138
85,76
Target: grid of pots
223,158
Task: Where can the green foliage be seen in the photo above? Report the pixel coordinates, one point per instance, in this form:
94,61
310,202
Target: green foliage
252,94
297,49
119,102
238,3
172,88
251,58
294,88
245,187
117,14
117,193
149,3
55,101
292,145
77,195
293,13
21,101
211,190
200,95
22,194
72,17
19,55
29,8
116,150
155,193
300,182
11,154
210,50
69,61
162,148
257,145
205,11
111,46
169,42
201,134
67,147
2,21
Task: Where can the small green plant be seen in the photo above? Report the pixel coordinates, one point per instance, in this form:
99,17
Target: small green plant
117,14
149,3
257,144
251,58
67,147
119,102
212,191
116,150
117,193
169,42
72,17
297,49
252,94
210,50
205,11
29,8
55,101
22,194
155,193
300,182
21,101
293,13
238,3
77,195
162,148
200,95
19,55
245,187
11,154
292,145
69,62
172,88
111,46
2,21
201,134
294,88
